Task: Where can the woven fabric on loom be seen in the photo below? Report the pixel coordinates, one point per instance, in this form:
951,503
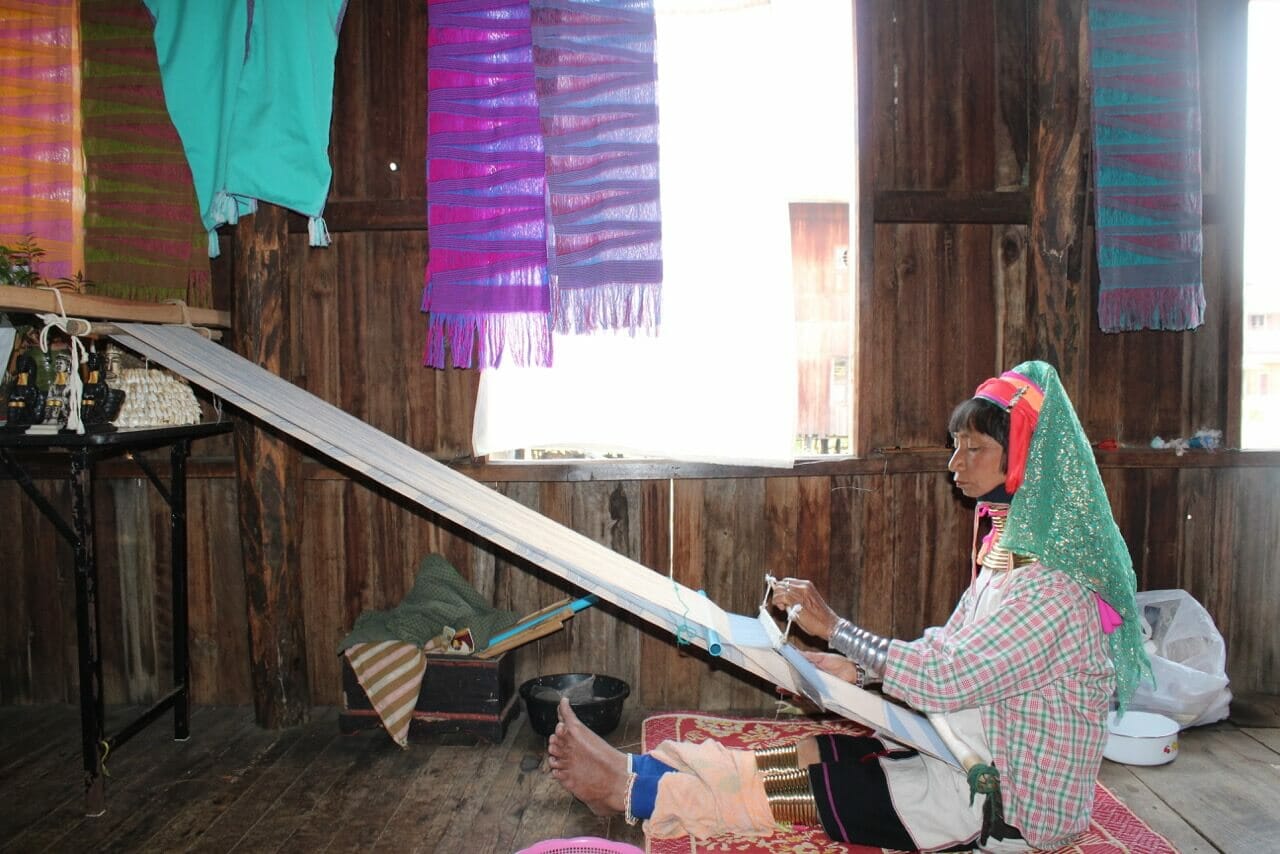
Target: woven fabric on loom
597,95
143,236
1146,129
486,188
39,155
1114,829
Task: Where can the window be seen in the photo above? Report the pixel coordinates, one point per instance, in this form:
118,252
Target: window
1260,408
758,167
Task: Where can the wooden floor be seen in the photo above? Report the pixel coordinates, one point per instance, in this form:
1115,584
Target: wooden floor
235,787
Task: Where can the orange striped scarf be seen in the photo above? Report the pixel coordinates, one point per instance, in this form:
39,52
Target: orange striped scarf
40,157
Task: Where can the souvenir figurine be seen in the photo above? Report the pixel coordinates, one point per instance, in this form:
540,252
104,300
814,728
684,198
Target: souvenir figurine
26,401
99,403
57,403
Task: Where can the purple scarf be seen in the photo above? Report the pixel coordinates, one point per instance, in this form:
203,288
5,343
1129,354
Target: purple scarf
542,164
597,94
486,187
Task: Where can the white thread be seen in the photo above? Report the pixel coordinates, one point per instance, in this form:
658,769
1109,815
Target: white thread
75,386
186,317
769,583
791,618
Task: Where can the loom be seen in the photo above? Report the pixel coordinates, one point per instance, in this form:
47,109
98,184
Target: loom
751,643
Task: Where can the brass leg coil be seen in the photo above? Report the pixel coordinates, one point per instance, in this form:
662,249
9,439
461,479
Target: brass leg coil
791,796
783,758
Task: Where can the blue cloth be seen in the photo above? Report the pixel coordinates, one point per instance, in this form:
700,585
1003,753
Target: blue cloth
644,791
249,87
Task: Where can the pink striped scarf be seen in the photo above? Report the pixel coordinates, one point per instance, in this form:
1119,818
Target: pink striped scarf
486,186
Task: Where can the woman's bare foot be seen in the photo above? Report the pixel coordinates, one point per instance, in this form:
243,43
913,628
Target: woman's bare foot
587,765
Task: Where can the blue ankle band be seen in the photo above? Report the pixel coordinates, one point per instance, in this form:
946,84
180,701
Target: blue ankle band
644,787
644,793
646,766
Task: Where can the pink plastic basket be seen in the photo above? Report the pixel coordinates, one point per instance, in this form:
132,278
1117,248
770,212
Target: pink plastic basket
581,845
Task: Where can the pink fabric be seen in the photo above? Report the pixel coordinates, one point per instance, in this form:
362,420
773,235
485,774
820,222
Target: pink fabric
1022,398
1111,619
581,845
486,190
719,793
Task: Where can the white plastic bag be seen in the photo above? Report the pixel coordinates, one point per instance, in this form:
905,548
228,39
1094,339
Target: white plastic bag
1188,659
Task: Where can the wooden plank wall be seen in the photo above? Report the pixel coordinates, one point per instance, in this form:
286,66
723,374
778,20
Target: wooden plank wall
951,127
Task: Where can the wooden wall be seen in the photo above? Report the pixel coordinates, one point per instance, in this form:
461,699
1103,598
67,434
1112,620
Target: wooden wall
975,253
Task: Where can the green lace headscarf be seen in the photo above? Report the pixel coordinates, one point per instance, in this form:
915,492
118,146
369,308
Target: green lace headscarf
1060,515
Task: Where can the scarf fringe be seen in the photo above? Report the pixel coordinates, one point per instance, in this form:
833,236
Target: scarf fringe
524,338
1131,309
196,295
317,231
630,307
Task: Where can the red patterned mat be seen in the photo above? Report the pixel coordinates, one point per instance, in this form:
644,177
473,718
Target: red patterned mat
1113,830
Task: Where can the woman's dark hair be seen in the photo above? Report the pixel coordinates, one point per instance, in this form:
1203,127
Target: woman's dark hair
980,415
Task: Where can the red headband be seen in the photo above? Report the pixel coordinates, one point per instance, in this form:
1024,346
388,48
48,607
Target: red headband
1021,398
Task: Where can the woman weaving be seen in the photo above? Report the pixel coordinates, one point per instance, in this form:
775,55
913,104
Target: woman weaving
1023,671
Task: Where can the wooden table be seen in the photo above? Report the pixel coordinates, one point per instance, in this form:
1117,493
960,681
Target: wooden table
81,453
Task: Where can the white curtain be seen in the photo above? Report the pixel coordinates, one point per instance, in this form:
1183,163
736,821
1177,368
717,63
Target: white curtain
718,384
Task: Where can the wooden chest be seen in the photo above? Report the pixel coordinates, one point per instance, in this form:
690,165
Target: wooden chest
460,694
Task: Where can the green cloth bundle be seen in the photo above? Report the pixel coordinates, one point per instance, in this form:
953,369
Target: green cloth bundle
440,597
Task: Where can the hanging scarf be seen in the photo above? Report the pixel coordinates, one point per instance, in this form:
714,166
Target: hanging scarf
1060,515
249,87
39,149
597,95
486,188
1146,132
142,230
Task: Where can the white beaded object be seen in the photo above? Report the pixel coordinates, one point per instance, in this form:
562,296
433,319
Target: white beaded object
155,398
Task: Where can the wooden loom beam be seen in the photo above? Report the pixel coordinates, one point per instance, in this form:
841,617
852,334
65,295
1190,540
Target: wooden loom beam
38,301
583,562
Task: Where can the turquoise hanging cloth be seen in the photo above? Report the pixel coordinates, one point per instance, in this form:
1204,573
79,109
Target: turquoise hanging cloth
249,87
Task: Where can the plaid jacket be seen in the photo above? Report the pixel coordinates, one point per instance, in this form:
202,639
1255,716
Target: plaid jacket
1038,670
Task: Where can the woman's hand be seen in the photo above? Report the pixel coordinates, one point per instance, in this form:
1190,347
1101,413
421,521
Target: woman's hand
837,665
815,615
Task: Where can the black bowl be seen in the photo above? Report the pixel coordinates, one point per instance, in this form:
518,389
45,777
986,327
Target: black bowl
595,699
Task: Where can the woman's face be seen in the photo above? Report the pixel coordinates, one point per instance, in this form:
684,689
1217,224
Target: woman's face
977,464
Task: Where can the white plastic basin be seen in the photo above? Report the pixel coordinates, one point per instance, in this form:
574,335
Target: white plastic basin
1141,738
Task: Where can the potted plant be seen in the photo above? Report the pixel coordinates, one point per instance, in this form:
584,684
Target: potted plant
18,263
18,268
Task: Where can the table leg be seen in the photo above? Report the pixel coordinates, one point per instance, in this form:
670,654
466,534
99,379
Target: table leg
178,561
92,711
